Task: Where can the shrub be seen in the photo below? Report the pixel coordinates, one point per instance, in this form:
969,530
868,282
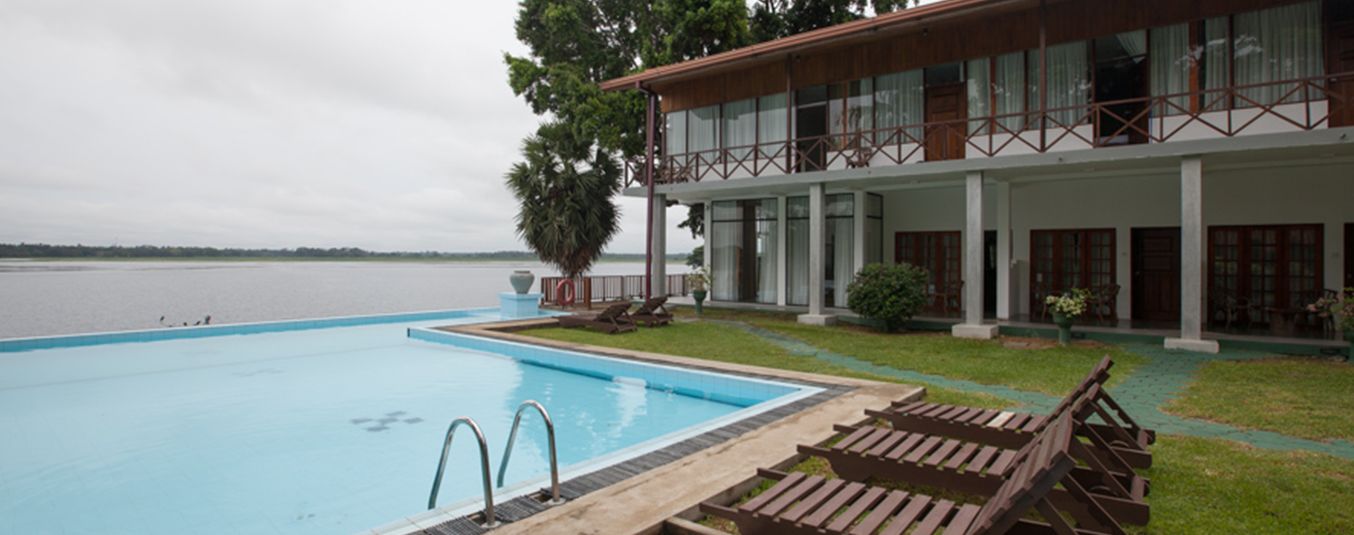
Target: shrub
888,294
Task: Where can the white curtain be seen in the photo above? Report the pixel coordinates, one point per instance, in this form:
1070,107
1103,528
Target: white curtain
1171,62
727,234
1068,83
1217,64
843,257
767,251
703,135
1282,43
1134,43
674,139
740,129
797,251
771,125
1009,88
979,94
898,102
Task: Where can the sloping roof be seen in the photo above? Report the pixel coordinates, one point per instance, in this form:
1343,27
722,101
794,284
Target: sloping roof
815,38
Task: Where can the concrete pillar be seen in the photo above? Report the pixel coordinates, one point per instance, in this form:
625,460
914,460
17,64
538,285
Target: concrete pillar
817,257
782,253
659,276
1004,290
1192,259
858,229
973,327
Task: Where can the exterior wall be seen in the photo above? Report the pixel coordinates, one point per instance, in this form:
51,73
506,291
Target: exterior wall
1281,195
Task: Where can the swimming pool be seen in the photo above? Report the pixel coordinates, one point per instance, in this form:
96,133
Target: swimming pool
315,426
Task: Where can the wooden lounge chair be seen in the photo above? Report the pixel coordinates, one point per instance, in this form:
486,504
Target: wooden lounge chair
980,469
614,319
652,313
1013,429
801,504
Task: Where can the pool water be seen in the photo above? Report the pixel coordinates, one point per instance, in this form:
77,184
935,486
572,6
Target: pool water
331,430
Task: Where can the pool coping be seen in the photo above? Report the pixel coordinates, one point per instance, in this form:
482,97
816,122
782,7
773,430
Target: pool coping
597,483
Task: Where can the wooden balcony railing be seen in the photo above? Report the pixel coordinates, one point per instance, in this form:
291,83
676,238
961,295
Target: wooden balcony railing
1295,105
604,288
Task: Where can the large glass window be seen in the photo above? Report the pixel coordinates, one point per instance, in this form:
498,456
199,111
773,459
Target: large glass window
744,250
1061,260
1281,43
979,94
772,127
797,250
898,102
839,247
1069,83
674,139
703,134
850,111
1171,63
740,128
1008,89
1216,71
874,228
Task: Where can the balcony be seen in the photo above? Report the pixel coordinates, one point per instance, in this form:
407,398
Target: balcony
1290,106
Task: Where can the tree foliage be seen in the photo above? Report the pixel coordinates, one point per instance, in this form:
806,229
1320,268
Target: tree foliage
773,19
888,294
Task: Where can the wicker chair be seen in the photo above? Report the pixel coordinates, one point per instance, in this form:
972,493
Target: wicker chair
1231,307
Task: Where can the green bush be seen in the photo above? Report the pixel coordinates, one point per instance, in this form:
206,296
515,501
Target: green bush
888,294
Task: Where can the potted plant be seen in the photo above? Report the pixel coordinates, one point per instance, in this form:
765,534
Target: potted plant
1338,307
698,280
1065,309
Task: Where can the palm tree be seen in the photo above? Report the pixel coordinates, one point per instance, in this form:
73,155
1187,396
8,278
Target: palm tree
565,189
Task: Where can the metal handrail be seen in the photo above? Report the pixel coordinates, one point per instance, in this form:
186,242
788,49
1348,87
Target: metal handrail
550,435
489,520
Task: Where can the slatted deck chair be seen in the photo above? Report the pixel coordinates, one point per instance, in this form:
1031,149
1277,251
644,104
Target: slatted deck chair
798,504
1013,429
974,468
614,319
652,313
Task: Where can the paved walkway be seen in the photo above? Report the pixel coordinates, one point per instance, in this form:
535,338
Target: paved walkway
1163,376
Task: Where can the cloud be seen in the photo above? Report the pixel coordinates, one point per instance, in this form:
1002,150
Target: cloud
264,123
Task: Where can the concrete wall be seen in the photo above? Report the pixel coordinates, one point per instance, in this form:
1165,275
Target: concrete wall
1279,195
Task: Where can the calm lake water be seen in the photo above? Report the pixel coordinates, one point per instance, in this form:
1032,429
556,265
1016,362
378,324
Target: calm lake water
44,298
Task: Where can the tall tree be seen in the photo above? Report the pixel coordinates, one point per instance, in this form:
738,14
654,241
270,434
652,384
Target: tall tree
773,19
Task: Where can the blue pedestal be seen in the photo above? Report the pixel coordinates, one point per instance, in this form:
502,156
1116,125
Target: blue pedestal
513,305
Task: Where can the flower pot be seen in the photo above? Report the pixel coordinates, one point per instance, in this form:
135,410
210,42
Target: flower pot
1064,324
699,296
521,280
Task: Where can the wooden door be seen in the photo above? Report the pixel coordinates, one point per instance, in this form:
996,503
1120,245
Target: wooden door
1156,274
939,253
946,108
1340,56
1272,268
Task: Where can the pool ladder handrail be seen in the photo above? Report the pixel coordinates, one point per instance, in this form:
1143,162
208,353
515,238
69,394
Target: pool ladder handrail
489,520
550,436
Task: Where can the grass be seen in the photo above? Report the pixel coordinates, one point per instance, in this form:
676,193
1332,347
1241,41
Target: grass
1300,397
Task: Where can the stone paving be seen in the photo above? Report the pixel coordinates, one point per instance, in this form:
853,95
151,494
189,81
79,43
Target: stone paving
1162,377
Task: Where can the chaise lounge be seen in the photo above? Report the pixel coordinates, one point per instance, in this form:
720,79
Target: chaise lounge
614,319
652,313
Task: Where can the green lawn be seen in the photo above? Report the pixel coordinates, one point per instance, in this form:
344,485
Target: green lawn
1301,397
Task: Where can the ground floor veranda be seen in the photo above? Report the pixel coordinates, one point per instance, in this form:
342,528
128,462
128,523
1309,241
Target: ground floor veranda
1193,241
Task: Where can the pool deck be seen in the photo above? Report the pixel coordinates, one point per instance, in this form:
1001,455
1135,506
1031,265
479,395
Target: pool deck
642,504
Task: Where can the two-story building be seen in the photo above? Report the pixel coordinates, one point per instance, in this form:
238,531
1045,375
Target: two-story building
1189,163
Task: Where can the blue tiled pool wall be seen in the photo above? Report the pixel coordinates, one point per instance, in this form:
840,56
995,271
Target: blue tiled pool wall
177,333
736,391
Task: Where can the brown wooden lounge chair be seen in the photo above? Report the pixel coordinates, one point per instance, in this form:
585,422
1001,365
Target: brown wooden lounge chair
614,319
980,469
1014,429
652,313
800,504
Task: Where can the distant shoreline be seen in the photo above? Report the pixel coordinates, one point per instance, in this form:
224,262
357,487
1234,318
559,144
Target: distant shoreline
402,259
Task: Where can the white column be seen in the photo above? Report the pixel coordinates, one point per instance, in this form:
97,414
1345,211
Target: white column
817,260
708,248
1191,259
973,262
858,229
659,276
1004,290
782,255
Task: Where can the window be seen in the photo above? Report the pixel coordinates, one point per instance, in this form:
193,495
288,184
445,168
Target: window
1008,90
850,111
703,134
979,94
839,245
1273,269
772,127
1061,260
797,250
1171,64
874,228
740,129
674,139
1216,70
939,253
898,102
744,250
1068,83
1281,43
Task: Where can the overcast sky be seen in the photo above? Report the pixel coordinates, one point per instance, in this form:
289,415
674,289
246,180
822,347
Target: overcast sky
385,125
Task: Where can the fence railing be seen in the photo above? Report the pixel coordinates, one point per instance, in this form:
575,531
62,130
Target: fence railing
603,288
1289,105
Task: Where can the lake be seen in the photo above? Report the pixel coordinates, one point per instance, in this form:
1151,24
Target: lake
64,297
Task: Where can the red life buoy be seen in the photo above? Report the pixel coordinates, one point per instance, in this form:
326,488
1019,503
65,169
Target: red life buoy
565,299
